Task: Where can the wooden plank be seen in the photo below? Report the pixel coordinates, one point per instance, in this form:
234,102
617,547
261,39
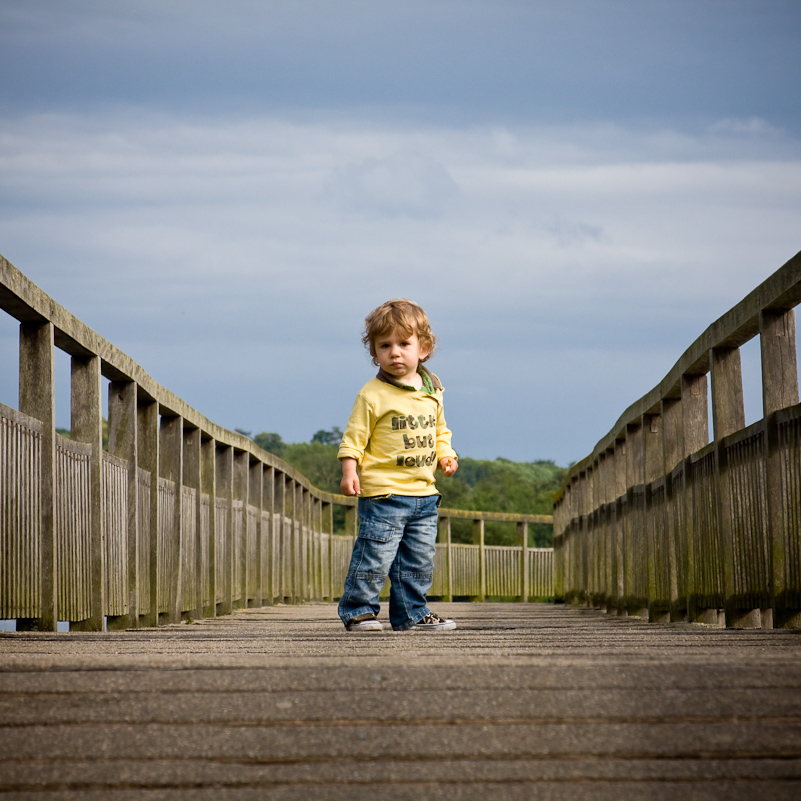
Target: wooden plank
521,701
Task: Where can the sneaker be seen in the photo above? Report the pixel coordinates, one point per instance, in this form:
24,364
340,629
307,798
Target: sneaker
366,622
432,622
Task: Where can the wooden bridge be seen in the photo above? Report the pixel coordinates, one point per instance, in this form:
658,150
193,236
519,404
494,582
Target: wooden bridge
178,517
522,701
230,676
665,521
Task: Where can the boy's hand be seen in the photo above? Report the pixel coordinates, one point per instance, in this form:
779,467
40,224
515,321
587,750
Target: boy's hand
449,465
350,478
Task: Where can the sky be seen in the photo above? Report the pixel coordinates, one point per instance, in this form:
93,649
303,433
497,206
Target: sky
572,190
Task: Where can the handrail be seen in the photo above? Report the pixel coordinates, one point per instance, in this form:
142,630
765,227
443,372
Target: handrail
180,518
26,302
659,521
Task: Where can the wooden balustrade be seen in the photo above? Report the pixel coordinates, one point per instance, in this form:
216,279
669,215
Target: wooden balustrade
661,520
180,518
479,571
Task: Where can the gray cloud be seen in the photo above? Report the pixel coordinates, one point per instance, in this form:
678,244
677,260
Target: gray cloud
476,62
221,254
573,233
398,185
225,192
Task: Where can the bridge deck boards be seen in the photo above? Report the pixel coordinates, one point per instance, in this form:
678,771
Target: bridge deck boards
520,701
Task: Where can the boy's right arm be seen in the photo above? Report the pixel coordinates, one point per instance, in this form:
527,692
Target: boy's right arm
350,478
354,441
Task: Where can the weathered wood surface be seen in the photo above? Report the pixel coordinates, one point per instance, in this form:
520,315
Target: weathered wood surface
520,702
659,521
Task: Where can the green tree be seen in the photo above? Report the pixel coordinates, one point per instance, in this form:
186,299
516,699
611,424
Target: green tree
332,437
317,461
270,442
502,486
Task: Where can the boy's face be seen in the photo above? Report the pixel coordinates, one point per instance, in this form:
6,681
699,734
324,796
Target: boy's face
398,354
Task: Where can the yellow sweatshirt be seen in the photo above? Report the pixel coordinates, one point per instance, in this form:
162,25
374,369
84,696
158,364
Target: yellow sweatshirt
397,435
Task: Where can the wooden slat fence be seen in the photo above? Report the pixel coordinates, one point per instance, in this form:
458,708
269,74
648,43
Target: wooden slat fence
665,521
73,529
115,533
20,514
178,518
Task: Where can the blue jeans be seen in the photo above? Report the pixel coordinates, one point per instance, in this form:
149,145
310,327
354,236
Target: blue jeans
397,537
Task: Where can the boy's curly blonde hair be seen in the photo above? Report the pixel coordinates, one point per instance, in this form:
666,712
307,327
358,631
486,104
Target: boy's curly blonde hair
401,315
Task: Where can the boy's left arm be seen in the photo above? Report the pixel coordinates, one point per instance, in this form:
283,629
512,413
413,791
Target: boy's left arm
446,455
449,465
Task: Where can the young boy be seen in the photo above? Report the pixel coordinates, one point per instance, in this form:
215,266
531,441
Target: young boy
397,435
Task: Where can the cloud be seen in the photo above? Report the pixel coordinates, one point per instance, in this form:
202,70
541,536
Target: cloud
750,126
256,244
573,233
406,185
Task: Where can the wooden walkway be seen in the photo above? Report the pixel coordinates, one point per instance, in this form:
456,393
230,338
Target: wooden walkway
521,702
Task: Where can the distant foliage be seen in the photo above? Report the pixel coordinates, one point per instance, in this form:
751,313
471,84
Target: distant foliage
332,437
502,486
270,442
67,433
317,460
484,485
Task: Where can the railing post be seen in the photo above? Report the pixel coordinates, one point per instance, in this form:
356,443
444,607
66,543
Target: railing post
570,541
148,434
314,551
583,540
695,434
241,474
522,538
317,533
123,442
605,472
327,527
351,521
658,607
287,539
37,398
208,475
619,525
444,537
268,537
306,546
279,537
635,552
192,478
225,488
672,454
87,426
779,390
298,590
559,529
728,416
290,589
594,550
171,461
256,499
478,539
301,551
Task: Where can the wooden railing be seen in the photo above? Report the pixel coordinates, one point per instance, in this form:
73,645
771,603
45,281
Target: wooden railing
480,571
659,521
178,518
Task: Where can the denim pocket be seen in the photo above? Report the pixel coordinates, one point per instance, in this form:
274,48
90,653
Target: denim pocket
376,518
378,530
